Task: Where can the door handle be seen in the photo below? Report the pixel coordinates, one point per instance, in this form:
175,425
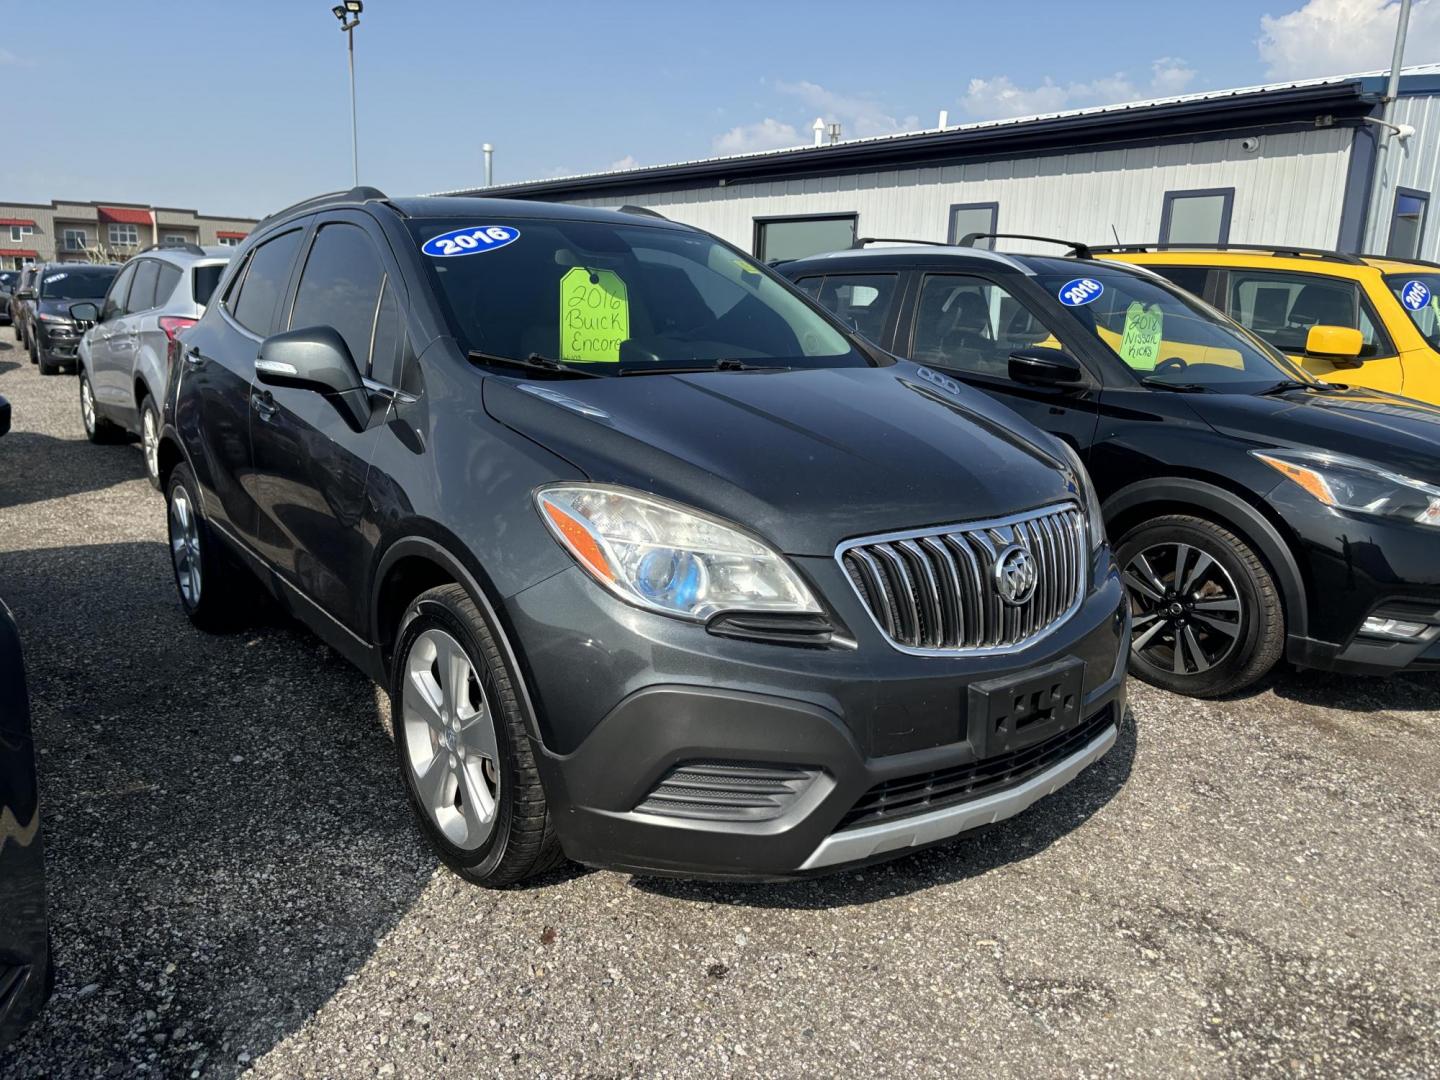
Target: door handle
264,405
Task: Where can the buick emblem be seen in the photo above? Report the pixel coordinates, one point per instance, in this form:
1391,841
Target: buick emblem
1016,575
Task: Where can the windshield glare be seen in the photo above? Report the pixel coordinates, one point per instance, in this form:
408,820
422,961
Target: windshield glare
1421,304
619,297
83,284
1165,335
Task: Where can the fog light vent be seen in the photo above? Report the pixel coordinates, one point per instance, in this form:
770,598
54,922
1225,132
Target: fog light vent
727,791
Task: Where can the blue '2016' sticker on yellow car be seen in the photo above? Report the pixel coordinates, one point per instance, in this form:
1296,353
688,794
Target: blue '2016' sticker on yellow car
471,240
1415,295
1080,292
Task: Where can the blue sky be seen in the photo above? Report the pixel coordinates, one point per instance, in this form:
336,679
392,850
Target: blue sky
242,107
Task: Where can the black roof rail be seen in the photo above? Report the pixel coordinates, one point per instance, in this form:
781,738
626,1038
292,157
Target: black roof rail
1273,249
861,241
643,211
1079,250
1397,258
187,247
362,193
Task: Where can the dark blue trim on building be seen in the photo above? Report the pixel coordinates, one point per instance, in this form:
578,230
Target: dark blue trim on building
1355,205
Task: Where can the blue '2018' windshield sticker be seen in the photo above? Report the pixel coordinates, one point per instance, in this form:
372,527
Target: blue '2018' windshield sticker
1415,295
1080,292
471,240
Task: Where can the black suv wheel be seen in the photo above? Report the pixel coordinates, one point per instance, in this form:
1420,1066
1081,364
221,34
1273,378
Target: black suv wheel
212,586
1208,617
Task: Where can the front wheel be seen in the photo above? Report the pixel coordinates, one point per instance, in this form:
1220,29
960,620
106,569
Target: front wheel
212,586
465,755
1208,618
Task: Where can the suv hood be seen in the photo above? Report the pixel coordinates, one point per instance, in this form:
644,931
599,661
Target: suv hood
805,458
1395,432
60,307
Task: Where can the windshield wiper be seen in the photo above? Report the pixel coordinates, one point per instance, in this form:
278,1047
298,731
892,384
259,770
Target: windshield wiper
533,362
1157,383
1287,384
725,364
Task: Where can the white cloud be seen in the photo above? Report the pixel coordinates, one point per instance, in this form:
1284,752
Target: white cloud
1000,97
859,117
768,134
625,163
1335,37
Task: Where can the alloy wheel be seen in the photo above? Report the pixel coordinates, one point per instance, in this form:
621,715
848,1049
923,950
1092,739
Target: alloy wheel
185,546
1187,610
87,406
450,740
149,440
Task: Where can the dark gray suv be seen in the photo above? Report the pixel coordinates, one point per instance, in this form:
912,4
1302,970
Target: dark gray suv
664,568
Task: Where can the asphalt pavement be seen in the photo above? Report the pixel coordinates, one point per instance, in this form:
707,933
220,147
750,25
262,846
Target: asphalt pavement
1248,887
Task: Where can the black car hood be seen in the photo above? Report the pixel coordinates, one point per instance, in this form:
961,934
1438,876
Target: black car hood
1395,432
60,307
805,458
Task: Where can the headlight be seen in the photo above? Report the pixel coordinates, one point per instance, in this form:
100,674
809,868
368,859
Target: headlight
1082,484
45,316
669,559
1358,486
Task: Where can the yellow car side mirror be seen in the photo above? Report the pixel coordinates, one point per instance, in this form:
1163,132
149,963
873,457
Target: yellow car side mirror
1339,342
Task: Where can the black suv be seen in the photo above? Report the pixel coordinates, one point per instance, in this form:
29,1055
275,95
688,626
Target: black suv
662,567
54,333
1257,512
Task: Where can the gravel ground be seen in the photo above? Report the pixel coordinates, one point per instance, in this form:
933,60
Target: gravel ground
1241,888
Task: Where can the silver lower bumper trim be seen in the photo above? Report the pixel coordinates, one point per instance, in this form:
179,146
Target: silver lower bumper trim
853,845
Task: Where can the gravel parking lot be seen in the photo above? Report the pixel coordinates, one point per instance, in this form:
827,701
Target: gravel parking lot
1248,887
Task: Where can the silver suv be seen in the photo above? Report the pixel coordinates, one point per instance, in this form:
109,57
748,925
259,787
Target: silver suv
125,355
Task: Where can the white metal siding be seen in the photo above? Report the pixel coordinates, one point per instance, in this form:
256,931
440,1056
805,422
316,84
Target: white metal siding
1419,168
1290,191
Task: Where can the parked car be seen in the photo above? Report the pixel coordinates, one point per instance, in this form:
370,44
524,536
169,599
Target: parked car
132,336
22,300
1361,320
773,603
26,975
54,334
8,279
1257,512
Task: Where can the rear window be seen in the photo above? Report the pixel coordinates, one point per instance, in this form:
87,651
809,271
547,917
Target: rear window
169,277
203,280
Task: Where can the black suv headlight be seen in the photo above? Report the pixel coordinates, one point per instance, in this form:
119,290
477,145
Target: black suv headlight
1358,486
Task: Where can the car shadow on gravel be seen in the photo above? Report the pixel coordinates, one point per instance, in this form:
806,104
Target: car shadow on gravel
227,838
56,468
968,856
1413,692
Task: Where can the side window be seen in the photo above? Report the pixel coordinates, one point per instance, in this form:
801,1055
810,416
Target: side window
1281,308
340,287
114,305
385,351
810,286
165,284
142,290
265,279
1190,278
864,299
973,325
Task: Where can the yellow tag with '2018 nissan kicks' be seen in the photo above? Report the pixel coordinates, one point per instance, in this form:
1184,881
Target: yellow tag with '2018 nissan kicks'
1140,343
594,315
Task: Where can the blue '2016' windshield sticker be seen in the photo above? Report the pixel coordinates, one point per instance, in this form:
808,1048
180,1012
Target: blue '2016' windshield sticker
471,240
1080,292
1415,295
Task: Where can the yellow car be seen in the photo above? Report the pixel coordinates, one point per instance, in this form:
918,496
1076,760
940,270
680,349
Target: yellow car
1358,319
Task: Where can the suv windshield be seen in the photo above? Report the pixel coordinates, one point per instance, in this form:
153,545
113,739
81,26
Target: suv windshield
1419,295
83,283
7,278
1162,334
620,298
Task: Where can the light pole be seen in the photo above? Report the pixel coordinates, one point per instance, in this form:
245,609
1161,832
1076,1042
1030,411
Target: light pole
349,15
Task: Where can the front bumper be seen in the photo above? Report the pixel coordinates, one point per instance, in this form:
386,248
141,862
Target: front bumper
58,344
840,756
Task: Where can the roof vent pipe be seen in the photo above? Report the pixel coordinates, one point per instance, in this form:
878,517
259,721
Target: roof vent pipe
944,119
489,163
834,134
819,128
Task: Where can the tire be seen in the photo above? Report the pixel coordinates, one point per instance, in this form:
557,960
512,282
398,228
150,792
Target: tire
1208,616
97,428
211,584
150,439
443,633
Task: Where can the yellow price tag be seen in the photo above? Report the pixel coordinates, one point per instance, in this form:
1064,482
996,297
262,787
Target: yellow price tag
594,315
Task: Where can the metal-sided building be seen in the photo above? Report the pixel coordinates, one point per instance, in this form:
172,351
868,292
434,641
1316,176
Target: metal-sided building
1292,163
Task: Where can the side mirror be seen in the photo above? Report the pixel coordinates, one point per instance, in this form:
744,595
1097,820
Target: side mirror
1045,367
85,312
317,359
1334,342
25,294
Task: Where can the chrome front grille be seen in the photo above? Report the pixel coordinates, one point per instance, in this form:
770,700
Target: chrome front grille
937,591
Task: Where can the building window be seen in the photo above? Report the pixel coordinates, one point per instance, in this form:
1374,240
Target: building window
1197,217
124,236
977,217
174,240
230,241
783,239
1407,226
19,232
74,240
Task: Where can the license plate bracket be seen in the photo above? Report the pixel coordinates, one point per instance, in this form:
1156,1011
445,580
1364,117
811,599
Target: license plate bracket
1016,711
